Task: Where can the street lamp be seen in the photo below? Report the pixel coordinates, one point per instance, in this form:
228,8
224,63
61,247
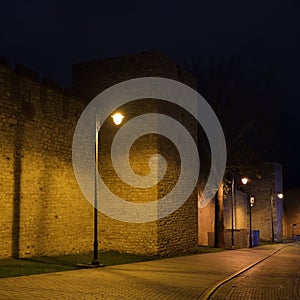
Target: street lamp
244,181
280,196
117,118
95,244
232,202
251,203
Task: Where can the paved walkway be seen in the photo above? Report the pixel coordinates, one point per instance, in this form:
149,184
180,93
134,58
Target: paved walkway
174,278
275,278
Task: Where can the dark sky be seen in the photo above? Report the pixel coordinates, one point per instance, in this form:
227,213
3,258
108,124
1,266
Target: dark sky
49,36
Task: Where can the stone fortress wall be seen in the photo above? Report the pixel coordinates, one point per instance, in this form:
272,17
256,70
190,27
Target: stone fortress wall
42,210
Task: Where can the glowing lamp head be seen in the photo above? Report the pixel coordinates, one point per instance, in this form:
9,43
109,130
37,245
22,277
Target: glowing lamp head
245,180
280,195
117,118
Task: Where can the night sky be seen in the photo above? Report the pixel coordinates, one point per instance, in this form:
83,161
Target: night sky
48,36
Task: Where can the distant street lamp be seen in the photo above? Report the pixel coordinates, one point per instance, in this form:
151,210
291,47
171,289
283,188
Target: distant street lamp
232,202
280,196
244,181
117,118
251,203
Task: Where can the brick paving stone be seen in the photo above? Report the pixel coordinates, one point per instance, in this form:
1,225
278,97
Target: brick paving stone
278,277
174,278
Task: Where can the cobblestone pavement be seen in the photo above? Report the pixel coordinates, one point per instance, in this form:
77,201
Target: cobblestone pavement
174,278
278,277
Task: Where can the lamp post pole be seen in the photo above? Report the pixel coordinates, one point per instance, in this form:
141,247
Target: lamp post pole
117,118
250,235
232,202
251,202
245,180
293,236
272,220
95,254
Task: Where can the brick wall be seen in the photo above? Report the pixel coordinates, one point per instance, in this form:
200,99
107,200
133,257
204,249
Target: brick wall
43,212
8,118
240,211
292,209
206,222
42,208
267,204
100,74
178,231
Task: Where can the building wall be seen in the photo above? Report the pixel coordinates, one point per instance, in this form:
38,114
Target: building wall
279,211
206,223
240,211
43,212
178,231
8,124
206,219
101,74
267,204
292,209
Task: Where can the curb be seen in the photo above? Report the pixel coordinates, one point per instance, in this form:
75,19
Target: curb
211,291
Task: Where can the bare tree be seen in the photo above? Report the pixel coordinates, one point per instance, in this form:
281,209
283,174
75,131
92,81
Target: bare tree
245,98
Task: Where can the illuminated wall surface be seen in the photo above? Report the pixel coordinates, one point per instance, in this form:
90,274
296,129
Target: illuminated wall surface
291,226
267,202
42,210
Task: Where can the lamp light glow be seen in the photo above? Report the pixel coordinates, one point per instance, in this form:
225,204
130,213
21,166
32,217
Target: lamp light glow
245,180
117,118
280,195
